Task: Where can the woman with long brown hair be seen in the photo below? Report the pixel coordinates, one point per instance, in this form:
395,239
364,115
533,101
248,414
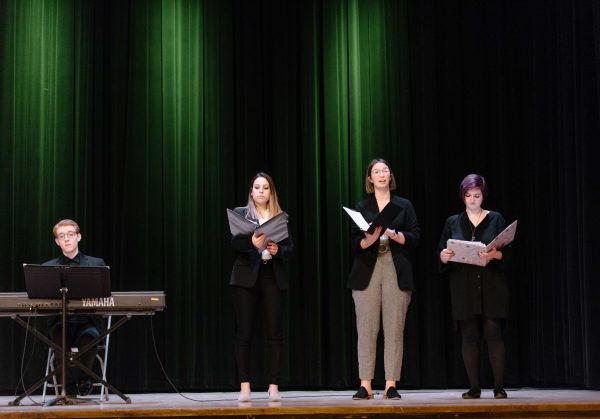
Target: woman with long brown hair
259,278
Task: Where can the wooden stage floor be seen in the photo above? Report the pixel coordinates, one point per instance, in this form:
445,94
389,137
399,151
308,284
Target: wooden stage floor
522,403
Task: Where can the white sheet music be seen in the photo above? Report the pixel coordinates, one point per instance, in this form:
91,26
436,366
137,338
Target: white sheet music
358,219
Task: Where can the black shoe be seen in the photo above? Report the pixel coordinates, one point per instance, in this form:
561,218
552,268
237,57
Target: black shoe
71,390
499,393
84,387
472,394
392,394
362,394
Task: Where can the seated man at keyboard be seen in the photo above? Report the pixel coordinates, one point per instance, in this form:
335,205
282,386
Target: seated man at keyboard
80,329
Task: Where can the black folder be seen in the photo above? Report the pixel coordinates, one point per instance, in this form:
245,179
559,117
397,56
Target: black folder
385,217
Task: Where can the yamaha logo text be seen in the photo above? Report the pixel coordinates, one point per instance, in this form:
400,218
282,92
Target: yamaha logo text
98,302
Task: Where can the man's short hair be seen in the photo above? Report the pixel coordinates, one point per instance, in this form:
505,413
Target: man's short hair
63,223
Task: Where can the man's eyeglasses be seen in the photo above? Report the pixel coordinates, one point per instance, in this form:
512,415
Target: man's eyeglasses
69,234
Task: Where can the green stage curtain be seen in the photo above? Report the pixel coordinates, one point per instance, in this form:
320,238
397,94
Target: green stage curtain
144,120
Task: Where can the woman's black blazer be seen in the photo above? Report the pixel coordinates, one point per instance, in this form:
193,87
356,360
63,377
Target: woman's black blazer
365,259
247,259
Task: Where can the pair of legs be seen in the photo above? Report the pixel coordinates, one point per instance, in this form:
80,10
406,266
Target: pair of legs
246,302
80,331
492,331
382,298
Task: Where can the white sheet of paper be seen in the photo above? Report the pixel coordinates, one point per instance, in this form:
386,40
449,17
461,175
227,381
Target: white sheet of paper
358,219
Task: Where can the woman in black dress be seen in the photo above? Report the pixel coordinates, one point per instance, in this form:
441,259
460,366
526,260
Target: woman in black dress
479,294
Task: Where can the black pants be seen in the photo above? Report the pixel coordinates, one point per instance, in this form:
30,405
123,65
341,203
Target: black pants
246,302
79,331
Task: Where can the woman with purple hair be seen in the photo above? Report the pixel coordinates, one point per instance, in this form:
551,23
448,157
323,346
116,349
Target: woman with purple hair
479,294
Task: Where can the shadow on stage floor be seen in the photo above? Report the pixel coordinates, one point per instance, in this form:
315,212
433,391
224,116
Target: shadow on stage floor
521,403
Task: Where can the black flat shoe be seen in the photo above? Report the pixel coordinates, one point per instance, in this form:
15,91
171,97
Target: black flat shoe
392,394
71,390
499,393
84,387
472,394
362,394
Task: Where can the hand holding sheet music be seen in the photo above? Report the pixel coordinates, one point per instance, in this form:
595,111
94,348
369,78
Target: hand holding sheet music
274,230
468,251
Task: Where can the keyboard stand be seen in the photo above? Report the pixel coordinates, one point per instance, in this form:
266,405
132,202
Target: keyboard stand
73,360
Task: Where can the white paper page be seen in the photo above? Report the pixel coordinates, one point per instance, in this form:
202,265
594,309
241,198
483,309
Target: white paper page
358,219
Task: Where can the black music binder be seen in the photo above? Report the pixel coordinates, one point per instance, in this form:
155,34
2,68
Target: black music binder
45,281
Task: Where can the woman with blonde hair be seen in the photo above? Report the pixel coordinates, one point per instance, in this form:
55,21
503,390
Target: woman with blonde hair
259,278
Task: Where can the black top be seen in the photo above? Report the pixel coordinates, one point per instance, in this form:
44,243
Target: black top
82,260
79,259
476,290
247,259
365,259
